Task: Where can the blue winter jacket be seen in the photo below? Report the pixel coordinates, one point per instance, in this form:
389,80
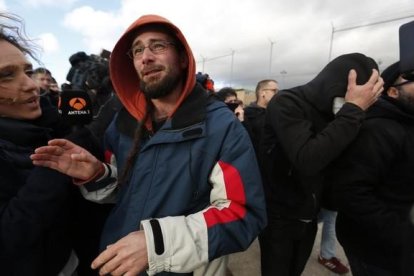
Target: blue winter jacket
195,188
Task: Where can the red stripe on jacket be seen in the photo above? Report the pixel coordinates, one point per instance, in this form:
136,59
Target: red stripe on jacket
108,156
235,193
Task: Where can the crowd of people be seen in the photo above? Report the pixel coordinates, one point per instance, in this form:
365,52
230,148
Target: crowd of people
169,176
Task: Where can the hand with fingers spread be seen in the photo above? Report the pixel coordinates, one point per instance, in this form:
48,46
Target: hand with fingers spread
68,158
126,257
364,95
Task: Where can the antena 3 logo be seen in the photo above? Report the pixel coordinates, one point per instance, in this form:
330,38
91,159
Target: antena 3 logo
78,105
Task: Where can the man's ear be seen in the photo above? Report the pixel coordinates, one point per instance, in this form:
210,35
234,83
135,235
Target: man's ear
393,92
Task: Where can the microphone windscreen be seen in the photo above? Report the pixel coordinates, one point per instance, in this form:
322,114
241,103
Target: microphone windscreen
75,107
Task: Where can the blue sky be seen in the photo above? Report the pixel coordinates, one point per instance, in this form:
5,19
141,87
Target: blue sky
237,42
45,23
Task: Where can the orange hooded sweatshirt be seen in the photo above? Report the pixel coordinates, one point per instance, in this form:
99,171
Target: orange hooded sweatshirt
124,76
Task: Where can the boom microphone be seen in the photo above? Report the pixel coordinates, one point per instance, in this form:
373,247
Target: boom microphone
75,107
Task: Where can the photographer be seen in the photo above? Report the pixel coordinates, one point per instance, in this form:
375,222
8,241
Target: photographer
91,74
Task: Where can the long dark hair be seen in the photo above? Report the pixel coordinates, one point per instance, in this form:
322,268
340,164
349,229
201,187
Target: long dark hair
136,145
12,30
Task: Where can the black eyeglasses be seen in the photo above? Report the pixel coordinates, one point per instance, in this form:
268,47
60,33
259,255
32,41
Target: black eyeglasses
156,47
402,83
408,76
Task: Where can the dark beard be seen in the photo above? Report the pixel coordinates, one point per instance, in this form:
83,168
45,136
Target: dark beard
160,88
406,102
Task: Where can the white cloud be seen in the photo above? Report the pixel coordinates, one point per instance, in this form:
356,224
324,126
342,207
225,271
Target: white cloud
40,3
300,29
49,43
99,29
3,6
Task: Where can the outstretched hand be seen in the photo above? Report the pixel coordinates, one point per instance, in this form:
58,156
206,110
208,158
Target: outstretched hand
364,95
68,158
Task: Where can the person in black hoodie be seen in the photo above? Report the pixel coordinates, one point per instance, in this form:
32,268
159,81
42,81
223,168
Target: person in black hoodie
302,136
373,182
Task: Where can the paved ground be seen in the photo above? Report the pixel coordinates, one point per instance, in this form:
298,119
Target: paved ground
248,263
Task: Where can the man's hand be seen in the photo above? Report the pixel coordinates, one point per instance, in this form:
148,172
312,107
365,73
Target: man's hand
364,95
239,112
68,158
126,257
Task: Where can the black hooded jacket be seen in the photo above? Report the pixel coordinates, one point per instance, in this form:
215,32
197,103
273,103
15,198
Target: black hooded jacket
302,136
373,186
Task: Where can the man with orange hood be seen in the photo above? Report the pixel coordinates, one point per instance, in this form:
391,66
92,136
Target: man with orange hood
189,189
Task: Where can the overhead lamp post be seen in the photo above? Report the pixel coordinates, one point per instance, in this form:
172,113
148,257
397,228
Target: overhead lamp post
283,74
205,59
270,56
336,30
203,62
231,68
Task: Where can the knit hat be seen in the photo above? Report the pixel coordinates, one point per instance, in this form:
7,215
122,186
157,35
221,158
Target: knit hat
205,81
201,78
390,75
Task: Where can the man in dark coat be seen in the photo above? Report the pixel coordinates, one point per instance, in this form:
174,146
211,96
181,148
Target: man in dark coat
302,137
373,182
254,113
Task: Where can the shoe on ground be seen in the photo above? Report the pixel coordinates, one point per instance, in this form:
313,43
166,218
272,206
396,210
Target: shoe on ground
334,265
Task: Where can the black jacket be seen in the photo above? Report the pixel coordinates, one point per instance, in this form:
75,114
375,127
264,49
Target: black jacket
302,137
43,216
373,186
33,202
104,107
254,120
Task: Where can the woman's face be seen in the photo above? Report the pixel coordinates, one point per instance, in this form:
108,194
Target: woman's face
19,94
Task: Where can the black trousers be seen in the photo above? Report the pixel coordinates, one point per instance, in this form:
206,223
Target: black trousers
361,268
285,246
